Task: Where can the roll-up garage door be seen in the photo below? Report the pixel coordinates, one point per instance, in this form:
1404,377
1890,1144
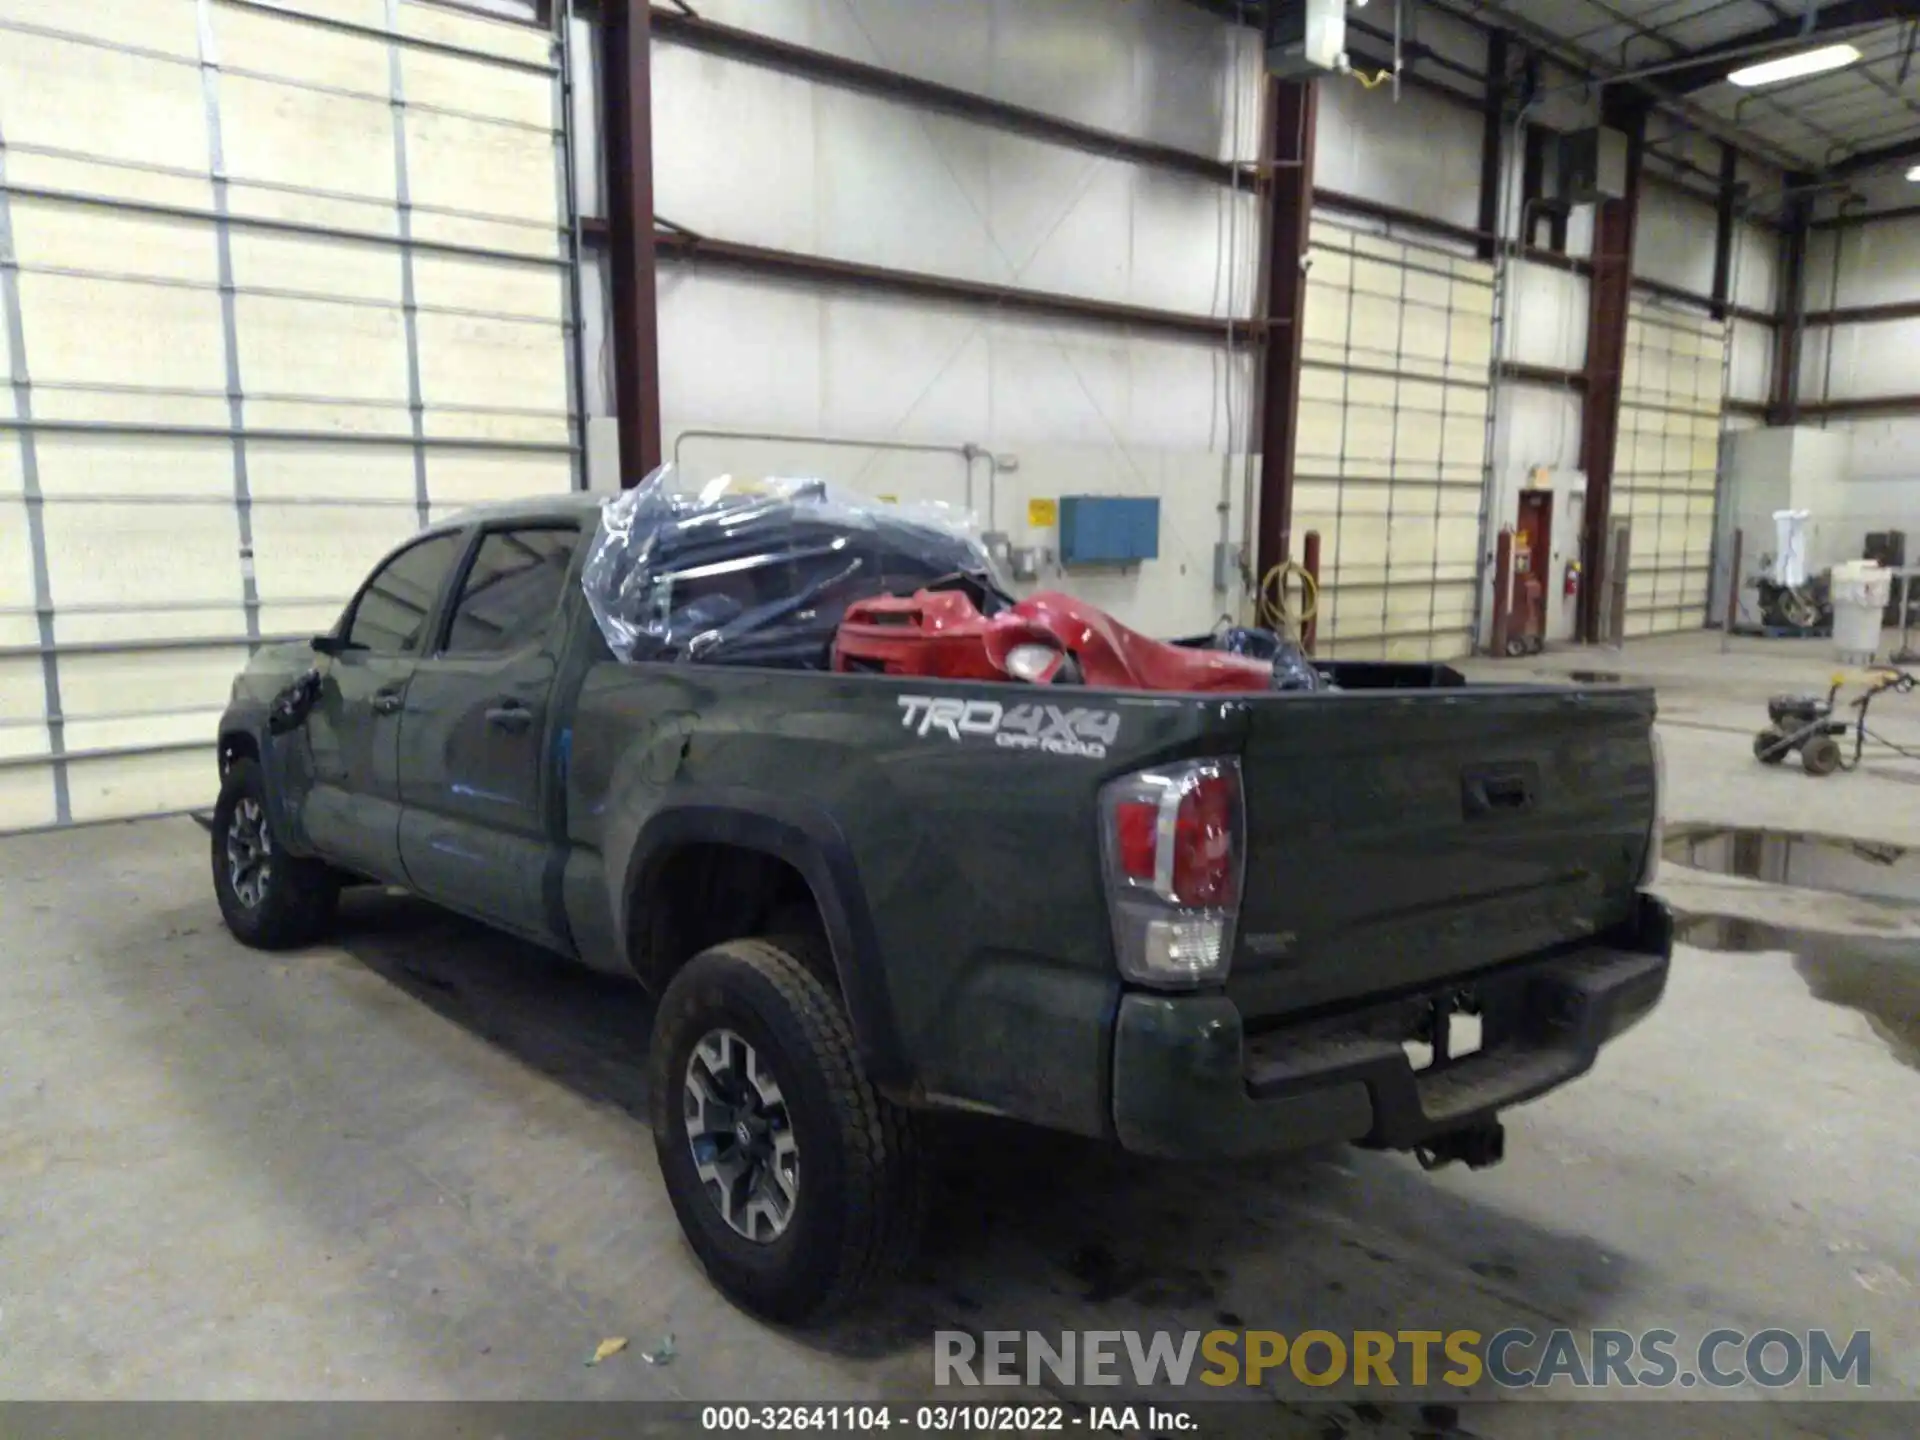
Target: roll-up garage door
281,282
1665,464
1392,442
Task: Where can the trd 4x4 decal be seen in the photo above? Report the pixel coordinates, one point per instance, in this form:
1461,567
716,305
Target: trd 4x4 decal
1056,729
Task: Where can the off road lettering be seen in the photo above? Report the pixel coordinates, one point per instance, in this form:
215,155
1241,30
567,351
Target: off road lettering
1053,729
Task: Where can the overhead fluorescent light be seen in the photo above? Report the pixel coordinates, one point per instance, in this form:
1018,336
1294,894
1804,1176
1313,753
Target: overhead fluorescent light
1792,67
1914,174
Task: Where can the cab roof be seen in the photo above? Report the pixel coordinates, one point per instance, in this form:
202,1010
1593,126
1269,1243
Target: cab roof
570,506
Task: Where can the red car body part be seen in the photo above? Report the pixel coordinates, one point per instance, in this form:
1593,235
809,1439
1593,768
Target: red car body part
942,634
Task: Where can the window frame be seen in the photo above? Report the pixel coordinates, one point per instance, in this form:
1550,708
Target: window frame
450,600
435,610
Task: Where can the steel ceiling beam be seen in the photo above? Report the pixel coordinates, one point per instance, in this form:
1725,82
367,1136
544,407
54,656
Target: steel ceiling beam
1709,64
1864,160
683,247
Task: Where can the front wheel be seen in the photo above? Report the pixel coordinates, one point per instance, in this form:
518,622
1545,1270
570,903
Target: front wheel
1768,748
1821,755
269,899
795,1183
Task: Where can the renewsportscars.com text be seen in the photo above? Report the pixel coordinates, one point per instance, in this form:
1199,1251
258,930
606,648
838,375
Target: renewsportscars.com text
1386,1359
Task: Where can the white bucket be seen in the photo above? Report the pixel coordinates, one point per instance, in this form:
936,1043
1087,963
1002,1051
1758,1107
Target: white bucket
1860,592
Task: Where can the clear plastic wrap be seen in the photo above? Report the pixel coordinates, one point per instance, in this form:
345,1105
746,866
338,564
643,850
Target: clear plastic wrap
1292,670
760,572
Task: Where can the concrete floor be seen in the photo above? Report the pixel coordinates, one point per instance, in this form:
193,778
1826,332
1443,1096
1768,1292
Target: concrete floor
412,1165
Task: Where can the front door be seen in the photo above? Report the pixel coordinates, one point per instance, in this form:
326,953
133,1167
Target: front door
480,830
351,812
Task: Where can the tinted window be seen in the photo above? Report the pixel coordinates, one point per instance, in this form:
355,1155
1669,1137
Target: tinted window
393,610
511,591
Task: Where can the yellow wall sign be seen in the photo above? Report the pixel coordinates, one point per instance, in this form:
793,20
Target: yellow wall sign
1043,513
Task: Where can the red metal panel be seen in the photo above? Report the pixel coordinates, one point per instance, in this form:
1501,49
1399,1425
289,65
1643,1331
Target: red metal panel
627,96
1292,107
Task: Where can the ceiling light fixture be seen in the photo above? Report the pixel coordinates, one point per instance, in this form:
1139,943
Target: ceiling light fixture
1792,67
1914,174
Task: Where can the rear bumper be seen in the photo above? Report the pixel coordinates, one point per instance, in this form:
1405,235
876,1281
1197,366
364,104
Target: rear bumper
1189,1082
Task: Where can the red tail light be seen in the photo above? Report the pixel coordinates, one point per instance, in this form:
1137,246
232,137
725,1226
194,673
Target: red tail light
1205,871
1172,840
1136,825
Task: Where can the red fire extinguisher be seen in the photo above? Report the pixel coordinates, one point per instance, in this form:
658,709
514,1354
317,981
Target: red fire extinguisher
1570,581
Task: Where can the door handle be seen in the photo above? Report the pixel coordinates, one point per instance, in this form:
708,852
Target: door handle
1484,793
386,702
512,717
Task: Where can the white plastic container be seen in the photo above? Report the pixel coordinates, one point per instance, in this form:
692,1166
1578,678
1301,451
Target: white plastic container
1790,550
1860,592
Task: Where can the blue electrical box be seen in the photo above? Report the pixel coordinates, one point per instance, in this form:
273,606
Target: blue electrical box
1109,529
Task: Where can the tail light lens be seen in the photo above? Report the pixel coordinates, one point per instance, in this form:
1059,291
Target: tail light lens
1173,842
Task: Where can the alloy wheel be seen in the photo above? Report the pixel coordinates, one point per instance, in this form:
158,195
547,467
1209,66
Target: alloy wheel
249,853
741,1135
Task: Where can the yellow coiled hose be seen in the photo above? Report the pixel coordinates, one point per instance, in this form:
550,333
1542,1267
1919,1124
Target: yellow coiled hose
1273,600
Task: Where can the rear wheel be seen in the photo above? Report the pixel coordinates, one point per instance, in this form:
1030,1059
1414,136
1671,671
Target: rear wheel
795,1183
1821,755
1767,748
269,899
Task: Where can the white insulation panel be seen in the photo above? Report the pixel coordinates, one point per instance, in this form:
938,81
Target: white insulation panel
171,541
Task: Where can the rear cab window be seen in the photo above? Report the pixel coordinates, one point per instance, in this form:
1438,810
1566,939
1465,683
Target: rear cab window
512,590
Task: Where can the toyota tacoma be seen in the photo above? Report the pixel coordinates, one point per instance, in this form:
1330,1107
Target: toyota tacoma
1195,926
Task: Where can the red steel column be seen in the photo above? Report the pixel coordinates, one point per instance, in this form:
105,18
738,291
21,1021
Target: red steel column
1310,562
627,98
1791,332
1725,220
1493,123
1502,590
1291,109
1609,296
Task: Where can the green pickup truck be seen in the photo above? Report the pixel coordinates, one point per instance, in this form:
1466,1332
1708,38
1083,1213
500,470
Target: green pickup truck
1194,926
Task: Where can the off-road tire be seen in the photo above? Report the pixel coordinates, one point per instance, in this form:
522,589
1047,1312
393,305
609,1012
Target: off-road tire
1767,748
299,897
861,1197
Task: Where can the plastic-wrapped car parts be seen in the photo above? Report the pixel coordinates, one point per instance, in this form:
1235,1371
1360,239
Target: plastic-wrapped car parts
760,572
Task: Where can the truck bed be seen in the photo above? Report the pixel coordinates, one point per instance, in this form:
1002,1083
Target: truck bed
1394,837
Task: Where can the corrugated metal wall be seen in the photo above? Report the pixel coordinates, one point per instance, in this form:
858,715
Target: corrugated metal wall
1392,442
281,282
1666,461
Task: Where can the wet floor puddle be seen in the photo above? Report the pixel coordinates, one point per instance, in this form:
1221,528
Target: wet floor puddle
1861,868
1879,977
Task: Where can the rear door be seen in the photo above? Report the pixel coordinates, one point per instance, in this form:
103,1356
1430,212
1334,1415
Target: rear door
1398,838
351,813
480,829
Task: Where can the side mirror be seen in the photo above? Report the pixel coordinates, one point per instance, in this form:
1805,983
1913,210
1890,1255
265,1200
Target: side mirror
328,644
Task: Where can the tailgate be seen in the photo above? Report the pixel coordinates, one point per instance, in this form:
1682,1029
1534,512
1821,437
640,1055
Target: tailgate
1397,838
